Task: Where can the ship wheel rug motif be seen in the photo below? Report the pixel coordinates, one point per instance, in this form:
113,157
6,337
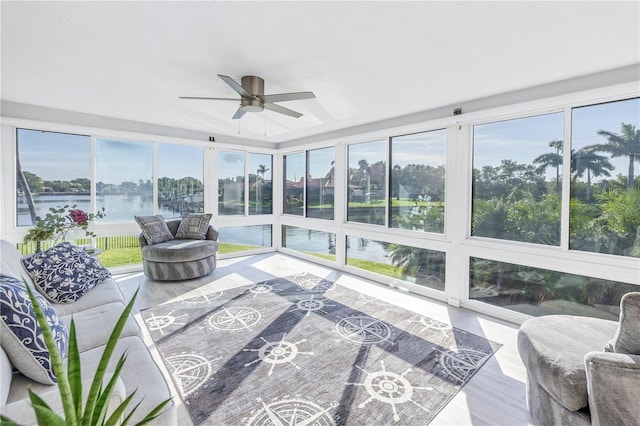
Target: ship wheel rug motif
303,350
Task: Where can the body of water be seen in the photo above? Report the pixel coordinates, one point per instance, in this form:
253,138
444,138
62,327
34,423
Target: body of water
121,208
118,207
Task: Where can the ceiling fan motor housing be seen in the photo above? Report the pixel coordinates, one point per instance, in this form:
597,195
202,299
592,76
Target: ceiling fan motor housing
255,86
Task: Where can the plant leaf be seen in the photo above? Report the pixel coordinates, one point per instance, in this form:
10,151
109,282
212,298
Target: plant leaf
73,370
126,419
102,405
6,421
56,361
44,414
47,417
119,411
92,399
154,413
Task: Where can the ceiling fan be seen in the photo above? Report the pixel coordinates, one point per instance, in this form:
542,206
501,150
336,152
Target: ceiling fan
253,99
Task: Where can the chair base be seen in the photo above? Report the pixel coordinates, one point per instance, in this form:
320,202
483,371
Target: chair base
545,410
179,271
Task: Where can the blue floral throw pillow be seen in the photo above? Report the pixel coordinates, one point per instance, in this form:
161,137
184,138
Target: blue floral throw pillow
64,273
21,336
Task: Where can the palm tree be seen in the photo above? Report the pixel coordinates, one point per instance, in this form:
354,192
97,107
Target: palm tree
262,169
626,144
552,159
28,195
408,259
585,160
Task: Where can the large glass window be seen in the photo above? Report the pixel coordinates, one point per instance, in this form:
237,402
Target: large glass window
317,243
417,181
415,265
517,179
605,183
536,291
180,187
320,183
366,187
124,184
231,183
241,238
53,169
260,184
293,202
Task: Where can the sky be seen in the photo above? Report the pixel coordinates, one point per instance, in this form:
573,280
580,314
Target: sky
521,140
231,164
39,150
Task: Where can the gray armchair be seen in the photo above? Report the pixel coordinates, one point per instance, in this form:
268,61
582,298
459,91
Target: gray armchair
178,260
583,371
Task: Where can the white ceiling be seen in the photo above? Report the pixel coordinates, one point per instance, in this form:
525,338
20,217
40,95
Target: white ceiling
365,61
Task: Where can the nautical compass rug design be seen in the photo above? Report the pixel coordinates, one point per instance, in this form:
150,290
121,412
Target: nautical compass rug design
301,350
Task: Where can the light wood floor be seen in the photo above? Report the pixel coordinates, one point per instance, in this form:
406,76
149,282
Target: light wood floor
494,396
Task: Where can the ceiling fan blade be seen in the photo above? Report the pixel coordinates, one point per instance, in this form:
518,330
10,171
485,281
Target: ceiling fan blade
282,110
283,97
208,99
239,113
235,86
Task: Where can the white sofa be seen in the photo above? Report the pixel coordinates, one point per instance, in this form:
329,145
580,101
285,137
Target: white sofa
95,314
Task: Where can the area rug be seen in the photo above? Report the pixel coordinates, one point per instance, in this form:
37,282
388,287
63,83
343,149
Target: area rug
301,350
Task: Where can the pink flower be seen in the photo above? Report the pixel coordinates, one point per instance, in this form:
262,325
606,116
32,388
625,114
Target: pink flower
78,216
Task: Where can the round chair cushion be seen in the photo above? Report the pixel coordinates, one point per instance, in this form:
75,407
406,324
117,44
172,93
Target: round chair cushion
553,348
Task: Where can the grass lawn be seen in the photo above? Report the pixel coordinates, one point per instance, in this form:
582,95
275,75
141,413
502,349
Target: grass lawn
233,248
133,255
331,257
377,267
120,257
367,265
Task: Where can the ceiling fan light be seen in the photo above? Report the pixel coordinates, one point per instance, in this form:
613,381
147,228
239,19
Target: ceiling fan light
252,108
252,105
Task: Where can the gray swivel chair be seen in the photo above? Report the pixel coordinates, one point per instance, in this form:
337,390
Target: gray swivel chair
178,260
583,371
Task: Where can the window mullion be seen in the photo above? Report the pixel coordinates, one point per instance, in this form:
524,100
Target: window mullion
566,182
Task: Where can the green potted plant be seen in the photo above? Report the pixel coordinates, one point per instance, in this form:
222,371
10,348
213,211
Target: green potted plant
59,222
38,235
93,411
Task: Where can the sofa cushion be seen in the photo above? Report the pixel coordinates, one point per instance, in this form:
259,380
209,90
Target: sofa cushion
194,226
627,337
553,348
154,229
21,336
64,273
179,251
94,326
107,292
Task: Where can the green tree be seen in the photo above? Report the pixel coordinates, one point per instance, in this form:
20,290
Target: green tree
552,159
621,214
81,184
35,182
585,160
626,144
262,169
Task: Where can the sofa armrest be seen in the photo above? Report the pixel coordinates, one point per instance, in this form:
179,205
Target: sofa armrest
613,380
